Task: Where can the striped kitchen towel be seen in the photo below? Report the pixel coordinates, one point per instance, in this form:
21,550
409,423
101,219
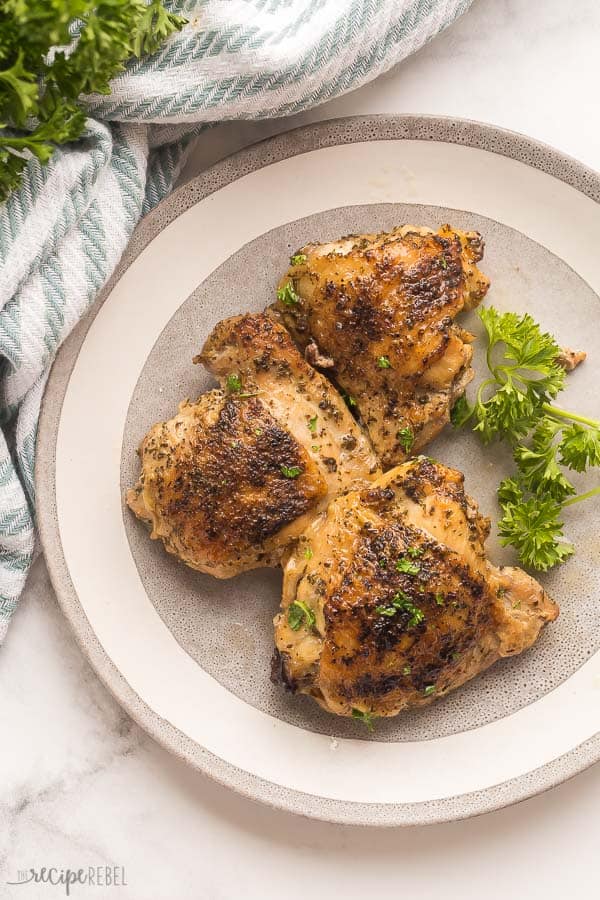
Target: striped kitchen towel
63,231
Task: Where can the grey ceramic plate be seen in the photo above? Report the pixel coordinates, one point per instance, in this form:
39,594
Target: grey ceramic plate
188,656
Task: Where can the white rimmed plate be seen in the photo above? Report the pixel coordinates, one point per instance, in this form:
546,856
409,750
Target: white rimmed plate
187,656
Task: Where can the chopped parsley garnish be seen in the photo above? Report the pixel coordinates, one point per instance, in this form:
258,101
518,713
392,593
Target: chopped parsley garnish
350,401
439,599
287,295
386,610
401,602
312,425
429,690
383,362
366,718
234,383
407,438
515,404
443,262
308,554
408,567
406,670
315,448
297,259
290,471
414,552
258,431
300,614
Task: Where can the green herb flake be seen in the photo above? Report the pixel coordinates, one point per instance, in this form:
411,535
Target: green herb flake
298,259
406,438
414,552
367,718
287,295
234,383
299,614
308,554
401,602
383,362
440,600
315,448
406,670
443,262
312,425
429,690
386,610
407,567
290,471
258,431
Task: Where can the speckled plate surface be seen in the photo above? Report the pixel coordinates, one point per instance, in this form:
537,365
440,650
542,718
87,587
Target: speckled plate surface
188,656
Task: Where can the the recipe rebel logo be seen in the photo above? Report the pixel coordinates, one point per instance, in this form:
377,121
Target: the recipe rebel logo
92,876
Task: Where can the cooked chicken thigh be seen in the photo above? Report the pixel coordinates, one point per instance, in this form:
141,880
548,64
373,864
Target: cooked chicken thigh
234,477
396,603
379,310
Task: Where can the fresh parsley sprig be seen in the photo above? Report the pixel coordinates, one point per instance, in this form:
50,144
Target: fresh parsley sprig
90,42
515,404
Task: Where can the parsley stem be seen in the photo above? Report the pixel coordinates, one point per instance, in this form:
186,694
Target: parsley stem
482,387
585,496
563,414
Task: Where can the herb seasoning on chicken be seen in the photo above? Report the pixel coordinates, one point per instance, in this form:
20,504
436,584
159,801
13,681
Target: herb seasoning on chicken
233,478
404,605
381,309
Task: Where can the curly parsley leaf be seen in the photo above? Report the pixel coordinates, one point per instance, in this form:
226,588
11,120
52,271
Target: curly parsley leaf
53,52
525,375
514,404
533,528
580,447
538,465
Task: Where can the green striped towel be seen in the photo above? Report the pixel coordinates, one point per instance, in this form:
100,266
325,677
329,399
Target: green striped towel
62,233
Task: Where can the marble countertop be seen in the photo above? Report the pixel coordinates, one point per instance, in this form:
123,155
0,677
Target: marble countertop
81,785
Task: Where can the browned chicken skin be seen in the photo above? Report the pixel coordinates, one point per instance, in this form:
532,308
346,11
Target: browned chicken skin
233,478
378,310
406,606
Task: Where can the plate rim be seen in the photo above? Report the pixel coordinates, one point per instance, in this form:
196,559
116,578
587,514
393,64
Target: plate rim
441,129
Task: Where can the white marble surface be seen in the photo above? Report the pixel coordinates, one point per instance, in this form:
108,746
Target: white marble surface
81,785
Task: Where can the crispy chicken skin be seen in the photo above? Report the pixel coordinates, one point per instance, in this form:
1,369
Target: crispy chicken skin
407,606
233,478
380,310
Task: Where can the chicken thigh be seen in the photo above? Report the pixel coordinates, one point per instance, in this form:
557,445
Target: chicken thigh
233,478
395,602
378,311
